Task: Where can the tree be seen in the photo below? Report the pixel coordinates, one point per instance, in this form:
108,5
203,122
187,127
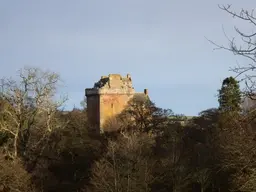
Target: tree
27,101
13,176
200,149
236,144
235,151
69,153
170,150
142,114
230,96
203,177
246,48
127,164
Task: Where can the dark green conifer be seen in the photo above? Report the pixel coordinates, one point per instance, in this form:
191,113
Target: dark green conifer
230,96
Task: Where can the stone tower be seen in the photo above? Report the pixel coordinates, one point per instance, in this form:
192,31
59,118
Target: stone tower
108,98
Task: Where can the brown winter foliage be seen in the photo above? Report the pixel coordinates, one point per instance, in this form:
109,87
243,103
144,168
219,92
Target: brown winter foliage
45,149
150,152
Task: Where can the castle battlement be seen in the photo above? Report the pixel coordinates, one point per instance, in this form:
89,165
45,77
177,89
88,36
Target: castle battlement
112,84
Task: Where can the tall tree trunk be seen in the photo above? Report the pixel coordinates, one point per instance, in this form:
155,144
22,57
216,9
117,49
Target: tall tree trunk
202,188
15,142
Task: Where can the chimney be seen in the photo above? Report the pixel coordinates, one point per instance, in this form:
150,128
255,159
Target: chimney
146,91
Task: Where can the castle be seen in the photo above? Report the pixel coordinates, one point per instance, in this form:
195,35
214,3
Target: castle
108,98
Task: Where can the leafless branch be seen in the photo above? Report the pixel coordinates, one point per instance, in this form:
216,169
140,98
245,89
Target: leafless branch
248,50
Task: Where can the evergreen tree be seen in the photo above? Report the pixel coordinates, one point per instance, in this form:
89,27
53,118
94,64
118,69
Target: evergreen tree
230,96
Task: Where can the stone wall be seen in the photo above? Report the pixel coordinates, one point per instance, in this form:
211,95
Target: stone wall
93,110
112,105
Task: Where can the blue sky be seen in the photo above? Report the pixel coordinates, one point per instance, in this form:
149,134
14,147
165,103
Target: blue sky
160,43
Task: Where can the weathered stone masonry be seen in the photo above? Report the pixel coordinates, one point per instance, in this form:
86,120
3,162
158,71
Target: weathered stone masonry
108,98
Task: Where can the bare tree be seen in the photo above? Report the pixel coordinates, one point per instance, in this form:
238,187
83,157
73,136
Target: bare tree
142,114
126,166
27,100
174,160
203,177
246,48
236,152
